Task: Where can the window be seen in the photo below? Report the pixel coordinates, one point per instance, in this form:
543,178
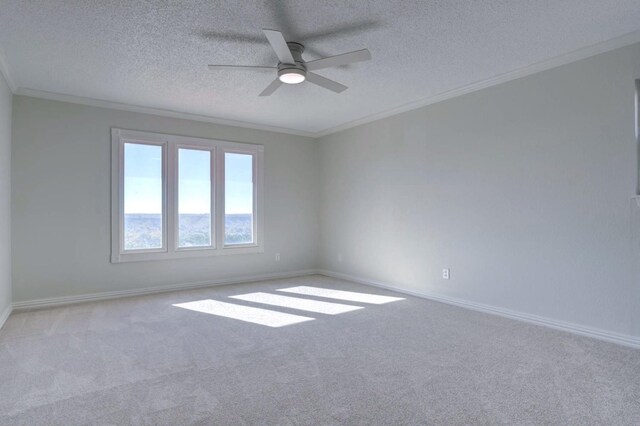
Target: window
195,221
238,198
143,197
175,196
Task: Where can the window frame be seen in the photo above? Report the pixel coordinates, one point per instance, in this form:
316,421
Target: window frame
170,186
176,194
255,198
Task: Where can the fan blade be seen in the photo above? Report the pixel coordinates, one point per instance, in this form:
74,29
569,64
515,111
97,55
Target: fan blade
271,87
321,81
347,29
281,17
279,45
234,37
248,67
336,61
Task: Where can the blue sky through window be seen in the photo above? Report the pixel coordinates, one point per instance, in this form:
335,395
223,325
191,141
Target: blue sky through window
238,173
194,190
142,178
143,181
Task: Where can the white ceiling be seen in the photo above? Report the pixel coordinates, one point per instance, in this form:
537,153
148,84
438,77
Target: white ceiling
154,53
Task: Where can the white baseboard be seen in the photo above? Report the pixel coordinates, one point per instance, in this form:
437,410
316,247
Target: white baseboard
5,315
621,339
92,297
596,333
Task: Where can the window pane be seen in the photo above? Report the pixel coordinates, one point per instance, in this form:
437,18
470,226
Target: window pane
142,196
194,198
238,198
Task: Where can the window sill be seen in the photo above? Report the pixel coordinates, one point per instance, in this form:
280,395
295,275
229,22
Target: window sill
186,254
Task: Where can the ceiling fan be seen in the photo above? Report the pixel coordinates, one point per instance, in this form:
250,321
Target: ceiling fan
292,69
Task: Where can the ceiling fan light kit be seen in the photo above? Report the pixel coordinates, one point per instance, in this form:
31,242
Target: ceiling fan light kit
292,69
292,75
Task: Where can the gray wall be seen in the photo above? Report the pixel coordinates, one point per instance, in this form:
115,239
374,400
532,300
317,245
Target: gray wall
522,189
61,203
5,196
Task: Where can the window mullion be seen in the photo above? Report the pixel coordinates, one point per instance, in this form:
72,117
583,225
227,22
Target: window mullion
170,190
219,185
213,169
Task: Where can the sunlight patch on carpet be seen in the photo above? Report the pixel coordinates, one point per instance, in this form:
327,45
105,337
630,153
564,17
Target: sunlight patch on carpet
329,308
243,313
351,296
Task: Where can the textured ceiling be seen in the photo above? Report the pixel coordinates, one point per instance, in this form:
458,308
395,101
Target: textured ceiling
154,53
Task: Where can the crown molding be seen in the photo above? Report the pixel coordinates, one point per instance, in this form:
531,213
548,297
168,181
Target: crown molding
564,59
42,94
567,58
4,71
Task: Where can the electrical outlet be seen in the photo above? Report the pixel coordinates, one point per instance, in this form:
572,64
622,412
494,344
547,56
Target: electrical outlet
445,274
277,257
339,257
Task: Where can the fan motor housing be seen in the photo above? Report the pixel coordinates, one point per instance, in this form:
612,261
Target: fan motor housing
296,50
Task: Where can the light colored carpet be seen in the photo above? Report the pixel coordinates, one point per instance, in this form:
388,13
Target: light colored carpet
143,360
